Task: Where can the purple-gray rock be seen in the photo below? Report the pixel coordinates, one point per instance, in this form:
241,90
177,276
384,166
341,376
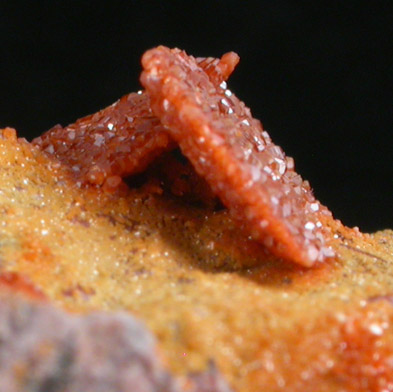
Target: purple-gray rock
209,381
44,349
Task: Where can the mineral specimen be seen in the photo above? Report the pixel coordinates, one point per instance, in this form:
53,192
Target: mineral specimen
187,102
229,148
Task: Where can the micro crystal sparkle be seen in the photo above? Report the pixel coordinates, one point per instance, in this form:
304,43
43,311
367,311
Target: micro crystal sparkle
230,149
187,103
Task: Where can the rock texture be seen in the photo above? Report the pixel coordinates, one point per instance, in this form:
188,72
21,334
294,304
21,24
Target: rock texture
207,292
43,349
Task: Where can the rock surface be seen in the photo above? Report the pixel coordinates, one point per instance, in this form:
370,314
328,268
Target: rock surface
43,349
205,290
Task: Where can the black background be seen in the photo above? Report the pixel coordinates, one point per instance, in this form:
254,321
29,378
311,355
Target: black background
319,76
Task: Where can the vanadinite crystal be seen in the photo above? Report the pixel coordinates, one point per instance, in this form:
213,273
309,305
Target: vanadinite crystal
229,148
187,102
122,139
118,141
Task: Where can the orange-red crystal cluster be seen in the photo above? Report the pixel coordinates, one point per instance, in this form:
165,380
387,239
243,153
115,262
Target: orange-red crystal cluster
122,139
116,142
187,102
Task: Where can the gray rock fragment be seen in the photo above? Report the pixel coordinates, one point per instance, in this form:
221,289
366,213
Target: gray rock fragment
44,349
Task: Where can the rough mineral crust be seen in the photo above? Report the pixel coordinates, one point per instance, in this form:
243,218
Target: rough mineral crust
118,141
251,175
207,292
122,139
45,349
187,101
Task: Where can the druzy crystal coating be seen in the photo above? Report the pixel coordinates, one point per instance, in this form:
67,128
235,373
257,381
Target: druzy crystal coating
122,139
187,102
116,142
230,149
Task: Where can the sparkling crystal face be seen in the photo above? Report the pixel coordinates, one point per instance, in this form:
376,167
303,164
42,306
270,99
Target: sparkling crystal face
187,101
120,140
228,147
